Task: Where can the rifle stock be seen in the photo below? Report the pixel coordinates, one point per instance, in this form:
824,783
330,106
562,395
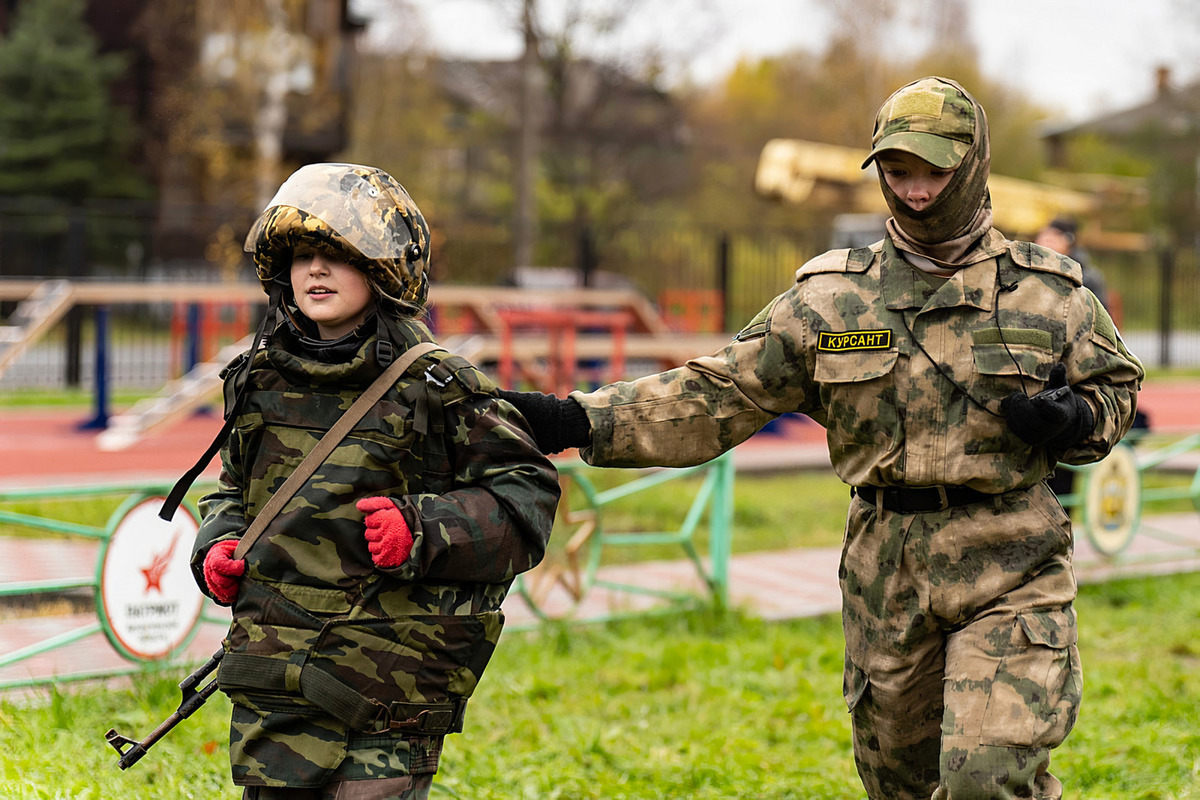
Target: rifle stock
131,750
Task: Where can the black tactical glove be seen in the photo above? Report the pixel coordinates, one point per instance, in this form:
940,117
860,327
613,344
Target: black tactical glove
1056,418
556,423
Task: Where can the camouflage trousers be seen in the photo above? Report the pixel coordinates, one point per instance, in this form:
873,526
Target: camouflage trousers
404,787
961,666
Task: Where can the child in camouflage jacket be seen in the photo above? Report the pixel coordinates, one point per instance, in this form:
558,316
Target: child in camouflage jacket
952,369
367,611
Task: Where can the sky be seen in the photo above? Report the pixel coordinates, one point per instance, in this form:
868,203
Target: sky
1077,58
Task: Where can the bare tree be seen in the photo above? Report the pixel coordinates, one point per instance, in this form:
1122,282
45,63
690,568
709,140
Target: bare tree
270,67
575,56
528,122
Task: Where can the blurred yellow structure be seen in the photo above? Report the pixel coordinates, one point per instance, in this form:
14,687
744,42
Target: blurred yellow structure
823,174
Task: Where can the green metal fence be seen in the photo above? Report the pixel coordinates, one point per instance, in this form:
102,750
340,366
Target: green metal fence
571,584
1112,494
143,497
574,573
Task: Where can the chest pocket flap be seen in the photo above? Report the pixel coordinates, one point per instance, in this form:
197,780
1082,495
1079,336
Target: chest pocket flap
852,366
1013,351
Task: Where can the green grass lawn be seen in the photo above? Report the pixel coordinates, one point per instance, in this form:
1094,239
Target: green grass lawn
702,705
65,398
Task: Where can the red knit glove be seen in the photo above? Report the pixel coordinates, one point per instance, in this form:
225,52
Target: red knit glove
388,536
221,572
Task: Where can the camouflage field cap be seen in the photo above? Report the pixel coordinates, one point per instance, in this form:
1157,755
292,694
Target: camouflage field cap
929,118
360,211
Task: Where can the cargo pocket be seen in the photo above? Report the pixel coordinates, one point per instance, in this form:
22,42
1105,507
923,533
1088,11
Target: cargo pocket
854,685
429,658
277,746
1035,695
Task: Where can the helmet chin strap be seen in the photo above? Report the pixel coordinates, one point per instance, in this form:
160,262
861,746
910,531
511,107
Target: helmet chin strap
292,320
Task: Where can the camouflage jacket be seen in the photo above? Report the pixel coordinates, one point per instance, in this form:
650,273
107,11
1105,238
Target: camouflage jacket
479,499
907,377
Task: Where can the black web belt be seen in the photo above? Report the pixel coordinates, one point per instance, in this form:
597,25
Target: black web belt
921,500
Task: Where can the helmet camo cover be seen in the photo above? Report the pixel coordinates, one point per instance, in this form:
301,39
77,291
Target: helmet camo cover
362,211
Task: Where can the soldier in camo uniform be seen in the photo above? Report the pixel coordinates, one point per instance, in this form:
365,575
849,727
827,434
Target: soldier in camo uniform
952,369
366,613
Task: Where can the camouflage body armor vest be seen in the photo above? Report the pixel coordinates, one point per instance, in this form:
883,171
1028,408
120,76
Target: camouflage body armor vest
318,631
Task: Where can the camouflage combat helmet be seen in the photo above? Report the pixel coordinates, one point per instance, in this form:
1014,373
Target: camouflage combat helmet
360,211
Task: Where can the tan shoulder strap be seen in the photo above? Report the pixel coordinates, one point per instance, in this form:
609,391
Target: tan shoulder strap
328,442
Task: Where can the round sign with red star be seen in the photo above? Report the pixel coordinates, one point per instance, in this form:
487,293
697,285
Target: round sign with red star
148,601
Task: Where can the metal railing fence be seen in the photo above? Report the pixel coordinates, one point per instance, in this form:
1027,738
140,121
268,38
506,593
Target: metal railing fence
570,585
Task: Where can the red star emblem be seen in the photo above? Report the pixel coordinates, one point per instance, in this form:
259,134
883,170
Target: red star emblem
158,567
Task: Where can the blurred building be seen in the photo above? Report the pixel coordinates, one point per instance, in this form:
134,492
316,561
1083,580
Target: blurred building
1164,131
597,144
591,119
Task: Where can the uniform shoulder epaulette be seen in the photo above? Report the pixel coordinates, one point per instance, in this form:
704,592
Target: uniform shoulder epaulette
832,261
1042,259
843,260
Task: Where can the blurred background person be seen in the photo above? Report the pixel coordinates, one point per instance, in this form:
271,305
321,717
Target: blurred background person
1061,235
